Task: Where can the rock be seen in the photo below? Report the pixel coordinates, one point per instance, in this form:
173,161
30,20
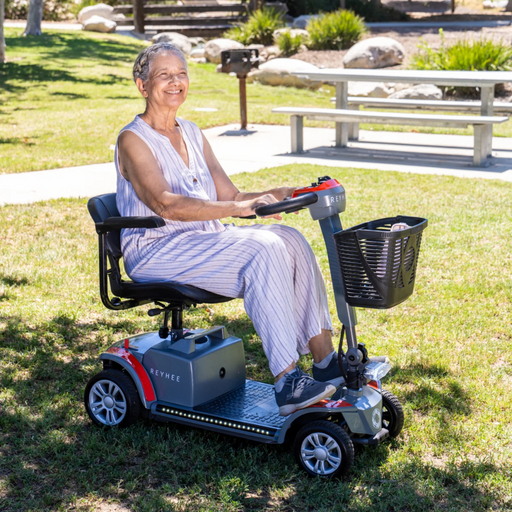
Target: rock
277,6
201,60
197,53
268,53
293,32
99,24
102,10
302,21
368,89
278,72
197,41
214,48
419,92
179,40
376,52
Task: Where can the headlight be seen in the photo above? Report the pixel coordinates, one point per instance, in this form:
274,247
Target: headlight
376,371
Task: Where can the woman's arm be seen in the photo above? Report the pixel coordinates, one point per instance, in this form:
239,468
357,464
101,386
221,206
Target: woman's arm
226,190
139,166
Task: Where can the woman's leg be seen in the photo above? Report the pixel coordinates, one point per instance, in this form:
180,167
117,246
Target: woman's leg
310,296
239,262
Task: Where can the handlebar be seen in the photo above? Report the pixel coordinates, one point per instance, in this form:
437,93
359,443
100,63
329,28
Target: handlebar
287,206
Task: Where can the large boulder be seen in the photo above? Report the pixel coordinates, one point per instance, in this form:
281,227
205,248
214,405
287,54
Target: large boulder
102,10
99,24
419,92
293,32
368,89
376,52
279,72
213,48
179,40
302,21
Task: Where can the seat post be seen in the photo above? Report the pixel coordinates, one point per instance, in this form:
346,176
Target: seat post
177,323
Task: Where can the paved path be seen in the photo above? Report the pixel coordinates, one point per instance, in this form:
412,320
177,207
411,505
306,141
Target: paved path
267,145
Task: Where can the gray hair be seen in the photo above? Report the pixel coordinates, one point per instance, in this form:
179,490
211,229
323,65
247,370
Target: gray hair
146,56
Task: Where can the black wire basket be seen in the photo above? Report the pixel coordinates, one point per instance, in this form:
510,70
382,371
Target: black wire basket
378,265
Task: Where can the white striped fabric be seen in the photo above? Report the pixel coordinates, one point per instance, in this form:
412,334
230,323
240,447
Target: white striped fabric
272,267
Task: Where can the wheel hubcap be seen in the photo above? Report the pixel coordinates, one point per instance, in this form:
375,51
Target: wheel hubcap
107,402
321,453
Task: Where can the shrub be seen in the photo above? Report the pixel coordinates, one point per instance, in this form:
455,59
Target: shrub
299,7
335,31
258,29
367,9
290,44
464,55
372,11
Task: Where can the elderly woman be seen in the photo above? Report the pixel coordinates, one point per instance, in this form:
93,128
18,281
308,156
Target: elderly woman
165,166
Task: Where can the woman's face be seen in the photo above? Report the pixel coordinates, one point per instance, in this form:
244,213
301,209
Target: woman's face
167,84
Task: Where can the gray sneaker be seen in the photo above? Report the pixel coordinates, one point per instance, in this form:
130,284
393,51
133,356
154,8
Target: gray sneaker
332,372
300,391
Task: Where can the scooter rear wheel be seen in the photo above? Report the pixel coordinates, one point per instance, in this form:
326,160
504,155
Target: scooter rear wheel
324,449
392,413
111,399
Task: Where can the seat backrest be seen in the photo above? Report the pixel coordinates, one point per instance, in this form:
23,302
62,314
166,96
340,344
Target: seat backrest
102,207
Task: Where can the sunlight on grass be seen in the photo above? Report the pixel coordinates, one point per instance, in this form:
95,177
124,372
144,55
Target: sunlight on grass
451,345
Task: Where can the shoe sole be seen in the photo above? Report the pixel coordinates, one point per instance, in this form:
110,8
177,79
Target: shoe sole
286,410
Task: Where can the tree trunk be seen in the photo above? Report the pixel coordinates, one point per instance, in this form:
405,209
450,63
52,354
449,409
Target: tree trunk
509,6
138,16
34,18
2,39
342,4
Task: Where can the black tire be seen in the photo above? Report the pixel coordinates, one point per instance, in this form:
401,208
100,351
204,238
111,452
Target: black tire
330,438
111,399
392,414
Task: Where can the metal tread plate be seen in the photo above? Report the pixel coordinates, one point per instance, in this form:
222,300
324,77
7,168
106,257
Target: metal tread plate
253,403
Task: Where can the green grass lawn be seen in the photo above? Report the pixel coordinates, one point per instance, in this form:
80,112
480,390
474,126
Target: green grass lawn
64,96
451,345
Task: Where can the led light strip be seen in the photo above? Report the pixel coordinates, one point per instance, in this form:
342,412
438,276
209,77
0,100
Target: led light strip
216,421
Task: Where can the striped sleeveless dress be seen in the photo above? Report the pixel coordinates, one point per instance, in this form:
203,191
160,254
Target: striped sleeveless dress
272,267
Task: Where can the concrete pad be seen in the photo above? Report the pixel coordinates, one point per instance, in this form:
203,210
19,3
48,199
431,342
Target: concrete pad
83,181
264,146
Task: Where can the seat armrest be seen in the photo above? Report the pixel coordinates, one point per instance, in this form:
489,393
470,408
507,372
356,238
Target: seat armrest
118,223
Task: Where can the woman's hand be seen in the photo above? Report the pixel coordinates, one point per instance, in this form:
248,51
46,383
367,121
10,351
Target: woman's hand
248,207
282,193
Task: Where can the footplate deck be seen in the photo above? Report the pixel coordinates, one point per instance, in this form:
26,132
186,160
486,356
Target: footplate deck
253,403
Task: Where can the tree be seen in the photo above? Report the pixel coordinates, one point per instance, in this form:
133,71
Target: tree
34,18
2,39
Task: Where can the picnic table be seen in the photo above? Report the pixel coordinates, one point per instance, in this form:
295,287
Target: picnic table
484,80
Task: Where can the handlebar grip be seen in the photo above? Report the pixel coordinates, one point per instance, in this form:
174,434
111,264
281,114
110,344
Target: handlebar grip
287,206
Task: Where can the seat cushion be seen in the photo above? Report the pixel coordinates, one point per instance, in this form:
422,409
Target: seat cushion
166,292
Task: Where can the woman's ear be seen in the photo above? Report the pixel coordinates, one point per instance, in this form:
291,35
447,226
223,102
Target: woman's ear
142,87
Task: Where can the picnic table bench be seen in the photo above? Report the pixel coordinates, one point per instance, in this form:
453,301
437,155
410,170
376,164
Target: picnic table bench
343,116
479,123
355,102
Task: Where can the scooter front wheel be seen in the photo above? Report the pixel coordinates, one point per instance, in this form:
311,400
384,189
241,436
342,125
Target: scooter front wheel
392,413
111,399
324,449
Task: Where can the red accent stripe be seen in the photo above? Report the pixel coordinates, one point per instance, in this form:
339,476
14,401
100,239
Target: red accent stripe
332,183
374,384
147,386
331,404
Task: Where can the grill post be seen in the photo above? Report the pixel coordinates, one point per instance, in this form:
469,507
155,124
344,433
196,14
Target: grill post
243,102
240,62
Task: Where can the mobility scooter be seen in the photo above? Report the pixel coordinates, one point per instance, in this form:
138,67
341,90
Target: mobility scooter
197,377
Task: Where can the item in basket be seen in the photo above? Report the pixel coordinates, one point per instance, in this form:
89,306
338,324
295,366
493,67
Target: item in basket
399,226
383,260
